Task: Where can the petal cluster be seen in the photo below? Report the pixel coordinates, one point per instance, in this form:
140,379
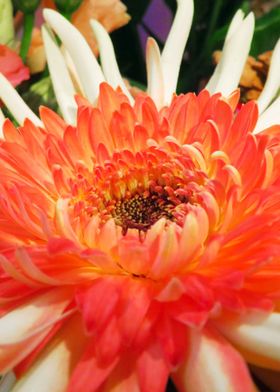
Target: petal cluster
134,244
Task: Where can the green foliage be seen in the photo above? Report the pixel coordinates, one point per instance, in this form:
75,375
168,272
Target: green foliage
267,32
67,6
26,6
40,93
127,43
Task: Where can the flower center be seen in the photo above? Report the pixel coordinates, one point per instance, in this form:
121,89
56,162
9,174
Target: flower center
141,211
137,193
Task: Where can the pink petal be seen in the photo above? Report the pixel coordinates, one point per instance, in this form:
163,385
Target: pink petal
152,370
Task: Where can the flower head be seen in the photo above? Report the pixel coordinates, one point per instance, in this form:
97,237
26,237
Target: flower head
12,66
140,242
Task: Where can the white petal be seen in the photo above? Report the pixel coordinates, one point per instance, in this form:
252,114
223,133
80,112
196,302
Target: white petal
15,103
108,58
85,62
174,47
72,71
52,369
269,117
155,86
25,327
228,72
272,83
61,80
234,25
20,322
256,334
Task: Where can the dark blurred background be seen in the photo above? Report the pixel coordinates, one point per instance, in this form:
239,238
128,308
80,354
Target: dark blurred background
210,24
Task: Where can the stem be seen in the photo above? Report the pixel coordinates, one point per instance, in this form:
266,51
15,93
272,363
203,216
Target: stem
28,23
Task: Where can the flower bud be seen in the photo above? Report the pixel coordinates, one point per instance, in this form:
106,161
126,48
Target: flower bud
67,6
6,23
26,6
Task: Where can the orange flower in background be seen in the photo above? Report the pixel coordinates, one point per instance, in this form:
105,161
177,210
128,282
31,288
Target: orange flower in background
254,74
140,244
12,66
111,13
36,57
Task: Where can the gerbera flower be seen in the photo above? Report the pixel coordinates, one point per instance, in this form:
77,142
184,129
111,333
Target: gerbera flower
140,242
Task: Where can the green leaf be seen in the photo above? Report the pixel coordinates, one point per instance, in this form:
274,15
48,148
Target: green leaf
41,93
267,32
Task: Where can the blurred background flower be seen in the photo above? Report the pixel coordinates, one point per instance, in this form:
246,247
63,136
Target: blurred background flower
12,67
111,13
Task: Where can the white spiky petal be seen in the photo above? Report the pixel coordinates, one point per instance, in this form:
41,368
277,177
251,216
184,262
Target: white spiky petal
228,72
15,103
108,58
234,24
269,117
174,47
155,87
85,62
61,80
272,83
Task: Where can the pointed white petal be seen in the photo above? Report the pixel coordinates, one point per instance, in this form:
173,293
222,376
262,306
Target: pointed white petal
269,117
235,24
229,70
72,71
108,58
174,47
256,334
86,64
272,83
15,103
61,80
154,73
233,27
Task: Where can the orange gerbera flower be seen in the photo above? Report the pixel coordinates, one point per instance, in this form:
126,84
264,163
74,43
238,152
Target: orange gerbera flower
137,241
142,241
